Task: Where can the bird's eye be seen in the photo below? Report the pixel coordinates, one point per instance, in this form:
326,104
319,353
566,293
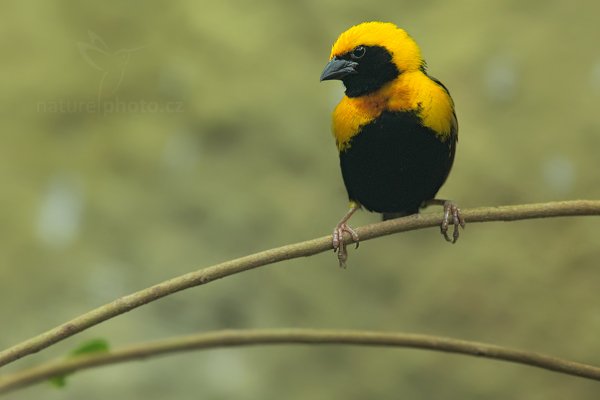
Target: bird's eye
358,52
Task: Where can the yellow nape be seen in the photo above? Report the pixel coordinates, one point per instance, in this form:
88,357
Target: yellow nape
405,52
428,99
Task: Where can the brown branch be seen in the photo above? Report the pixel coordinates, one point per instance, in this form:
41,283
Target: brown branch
231,338
302,249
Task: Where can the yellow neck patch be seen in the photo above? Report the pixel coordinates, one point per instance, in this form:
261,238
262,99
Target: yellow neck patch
414,91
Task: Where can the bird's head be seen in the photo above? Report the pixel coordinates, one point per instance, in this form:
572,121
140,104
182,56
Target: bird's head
371,54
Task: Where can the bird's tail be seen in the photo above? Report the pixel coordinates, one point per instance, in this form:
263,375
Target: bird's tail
398,214
393,215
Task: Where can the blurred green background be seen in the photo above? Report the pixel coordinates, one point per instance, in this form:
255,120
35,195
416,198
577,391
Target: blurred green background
142,140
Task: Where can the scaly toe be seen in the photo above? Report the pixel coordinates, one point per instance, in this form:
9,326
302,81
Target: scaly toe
450,209
342,256
338,243
336,239
353,234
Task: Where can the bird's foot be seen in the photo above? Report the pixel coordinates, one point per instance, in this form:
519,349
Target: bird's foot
339,245
451,210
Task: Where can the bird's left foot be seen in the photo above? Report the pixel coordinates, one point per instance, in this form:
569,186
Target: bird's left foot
339,245
451,210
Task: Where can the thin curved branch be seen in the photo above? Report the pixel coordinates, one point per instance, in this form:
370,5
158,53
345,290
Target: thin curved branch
231,338
302,249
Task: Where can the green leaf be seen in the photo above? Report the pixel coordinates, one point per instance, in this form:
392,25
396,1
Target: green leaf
59,381
91,346
86,348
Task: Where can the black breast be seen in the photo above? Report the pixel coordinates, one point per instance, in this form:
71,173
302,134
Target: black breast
395,163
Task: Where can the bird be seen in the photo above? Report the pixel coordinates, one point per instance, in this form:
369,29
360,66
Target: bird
395,128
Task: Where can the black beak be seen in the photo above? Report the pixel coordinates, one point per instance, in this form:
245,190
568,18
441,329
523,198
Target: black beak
338,68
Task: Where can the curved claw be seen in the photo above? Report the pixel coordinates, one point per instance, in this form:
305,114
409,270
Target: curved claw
450,209
339,245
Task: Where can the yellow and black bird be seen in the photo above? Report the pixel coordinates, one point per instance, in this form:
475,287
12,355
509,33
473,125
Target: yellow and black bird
395,128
